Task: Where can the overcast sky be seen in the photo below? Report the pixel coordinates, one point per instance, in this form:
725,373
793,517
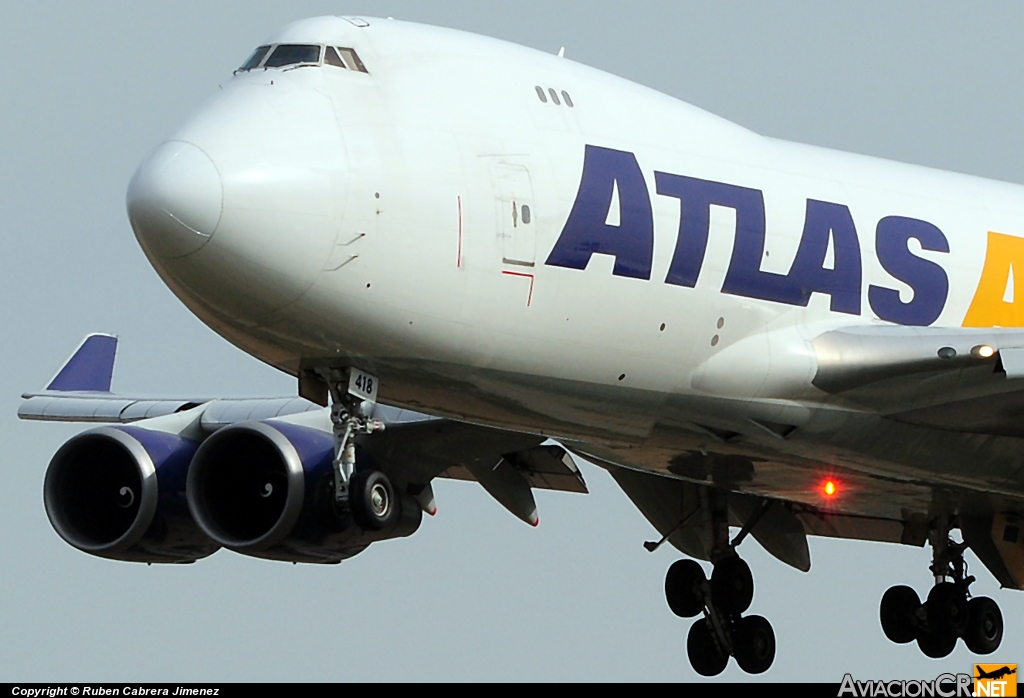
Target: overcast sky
89,88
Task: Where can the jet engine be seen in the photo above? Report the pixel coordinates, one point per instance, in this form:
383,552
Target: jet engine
266,489
119,492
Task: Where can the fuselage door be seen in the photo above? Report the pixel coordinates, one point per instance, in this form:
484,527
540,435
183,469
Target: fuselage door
516,225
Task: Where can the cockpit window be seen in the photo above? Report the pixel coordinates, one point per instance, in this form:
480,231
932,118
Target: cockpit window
255,58
331,57
352,60
292,54
283,55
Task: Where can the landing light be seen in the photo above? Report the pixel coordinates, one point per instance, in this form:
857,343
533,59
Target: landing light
983,351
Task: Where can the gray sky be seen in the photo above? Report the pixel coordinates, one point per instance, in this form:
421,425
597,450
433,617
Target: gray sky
89,88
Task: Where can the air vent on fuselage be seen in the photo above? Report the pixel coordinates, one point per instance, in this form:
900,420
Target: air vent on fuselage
543,97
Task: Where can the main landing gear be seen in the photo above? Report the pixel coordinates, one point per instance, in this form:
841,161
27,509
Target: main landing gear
949,612
368,494
721,630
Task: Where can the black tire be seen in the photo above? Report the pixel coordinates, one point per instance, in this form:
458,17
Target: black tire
753,644
936,645
732,585
984,626
682,588
372,499
704,655
897,614
330,514
947,609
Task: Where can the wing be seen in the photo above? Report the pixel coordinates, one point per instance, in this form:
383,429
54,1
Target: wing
960,379
676,508
413,449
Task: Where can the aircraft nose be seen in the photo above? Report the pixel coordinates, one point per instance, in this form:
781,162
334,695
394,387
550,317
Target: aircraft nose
175,200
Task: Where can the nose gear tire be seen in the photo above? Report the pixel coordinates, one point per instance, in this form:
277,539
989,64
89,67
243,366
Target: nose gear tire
372,499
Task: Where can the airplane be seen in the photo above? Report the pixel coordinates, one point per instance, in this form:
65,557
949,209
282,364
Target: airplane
996,673
481,261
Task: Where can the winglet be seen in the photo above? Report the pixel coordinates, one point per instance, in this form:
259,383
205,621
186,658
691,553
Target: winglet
90,368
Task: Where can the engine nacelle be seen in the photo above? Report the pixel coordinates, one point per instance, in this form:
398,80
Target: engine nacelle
266,489
119,492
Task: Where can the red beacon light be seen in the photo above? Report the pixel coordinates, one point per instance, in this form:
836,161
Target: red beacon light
830,488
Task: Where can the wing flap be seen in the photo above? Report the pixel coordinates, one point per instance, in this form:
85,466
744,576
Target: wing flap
508,487
543,467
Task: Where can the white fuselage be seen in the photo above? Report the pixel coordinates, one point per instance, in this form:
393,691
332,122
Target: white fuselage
377,220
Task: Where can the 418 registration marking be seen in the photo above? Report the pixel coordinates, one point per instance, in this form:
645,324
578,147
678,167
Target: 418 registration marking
362,385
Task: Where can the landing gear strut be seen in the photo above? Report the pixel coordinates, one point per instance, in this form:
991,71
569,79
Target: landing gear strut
949,612
368,494
723,631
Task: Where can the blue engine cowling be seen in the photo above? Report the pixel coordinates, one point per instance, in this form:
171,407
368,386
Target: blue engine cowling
266,489
119,492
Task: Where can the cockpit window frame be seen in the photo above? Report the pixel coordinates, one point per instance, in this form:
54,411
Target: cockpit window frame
332,51
262,52
351,59
277,48
347,58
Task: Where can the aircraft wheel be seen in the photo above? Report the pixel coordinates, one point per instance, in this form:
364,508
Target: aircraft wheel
984,626
328,512
947,609
373,501
754,644
682,588
936,644
732,585
896,613
704,655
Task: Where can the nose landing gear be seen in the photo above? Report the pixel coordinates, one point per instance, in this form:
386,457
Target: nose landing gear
368,494
948,613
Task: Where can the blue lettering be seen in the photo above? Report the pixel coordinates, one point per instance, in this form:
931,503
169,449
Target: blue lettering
587,232
825,221
926,278
744,277
696,196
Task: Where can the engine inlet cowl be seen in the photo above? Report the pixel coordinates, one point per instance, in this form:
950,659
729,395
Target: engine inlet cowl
118,492
246,486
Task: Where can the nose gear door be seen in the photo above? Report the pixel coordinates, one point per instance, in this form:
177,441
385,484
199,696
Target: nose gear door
514,205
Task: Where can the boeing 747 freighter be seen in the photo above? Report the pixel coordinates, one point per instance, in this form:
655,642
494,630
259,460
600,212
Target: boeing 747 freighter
481,261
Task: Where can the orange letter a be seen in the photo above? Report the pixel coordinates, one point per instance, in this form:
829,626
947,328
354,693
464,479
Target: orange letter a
1005,255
